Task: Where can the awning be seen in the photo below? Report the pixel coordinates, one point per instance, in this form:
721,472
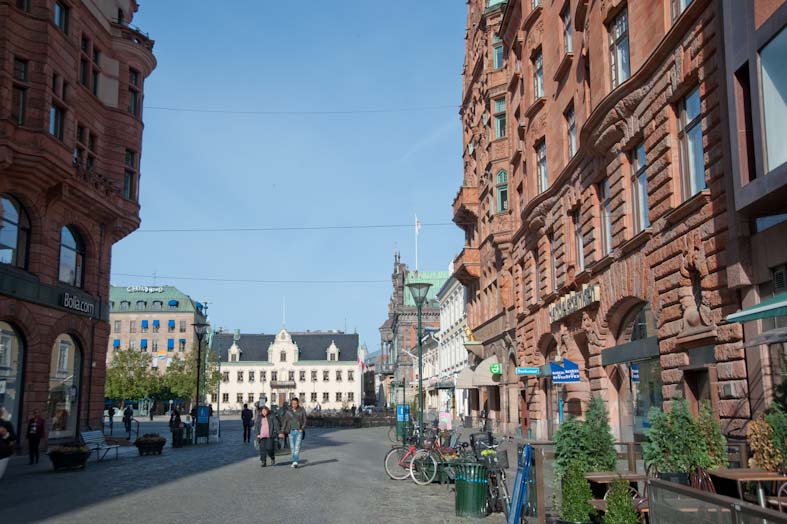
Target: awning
156,323
483,375
116,343
775,306
772,336
172,303
170,343
182,340
144,324
143,343
464,380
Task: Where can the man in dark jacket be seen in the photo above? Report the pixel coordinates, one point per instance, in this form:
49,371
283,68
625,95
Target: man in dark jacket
265,432
247,417
293,421
128,414
35,432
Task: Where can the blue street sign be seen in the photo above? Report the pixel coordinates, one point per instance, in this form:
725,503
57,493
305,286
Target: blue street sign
635,372
402,412
569,372
202,414
527,371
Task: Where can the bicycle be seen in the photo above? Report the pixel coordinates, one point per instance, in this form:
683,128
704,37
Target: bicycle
498,499
397,460
425,464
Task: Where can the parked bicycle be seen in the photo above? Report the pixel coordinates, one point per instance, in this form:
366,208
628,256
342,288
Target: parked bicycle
425,464
498,499
397,460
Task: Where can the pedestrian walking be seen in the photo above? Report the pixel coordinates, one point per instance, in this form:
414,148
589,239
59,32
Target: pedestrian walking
152,411
284,442
111,415
7,441
247,416
34,435
352,410
294,423
265,432
128,414
175,427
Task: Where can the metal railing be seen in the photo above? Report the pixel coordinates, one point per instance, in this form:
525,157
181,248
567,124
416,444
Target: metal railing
671,503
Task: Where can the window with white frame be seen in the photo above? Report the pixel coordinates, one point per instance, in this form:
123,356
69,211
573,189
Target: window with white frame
500,117
571,131
497,53
552,262
565,18
692,161
538,76
240,376
579,240
502,191
541,166
605,213
619,48
639,187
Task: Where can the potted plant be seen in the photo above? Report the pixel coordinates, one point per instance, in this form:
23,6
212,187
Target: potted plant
570,446
575,503
765,454
69,455
715,442
620,505
675,447
150,444
600,444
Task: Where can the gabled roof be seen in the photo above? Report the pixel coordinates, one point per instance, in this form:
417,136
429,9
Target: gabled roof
311,346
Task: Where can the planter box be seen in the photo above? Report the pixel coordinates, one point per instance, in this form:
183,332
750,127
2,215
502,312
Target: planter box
68,461
150,448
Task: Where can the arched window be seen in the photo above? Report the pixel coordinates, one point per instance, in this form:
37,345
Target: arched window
157,305
14,233
65,369
140,305
72,257
11,358
125,305
502,191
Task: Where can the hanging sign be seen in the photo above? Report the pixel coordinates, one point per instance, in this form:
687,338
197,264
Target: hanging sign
496,369
527,371
568,373
635,372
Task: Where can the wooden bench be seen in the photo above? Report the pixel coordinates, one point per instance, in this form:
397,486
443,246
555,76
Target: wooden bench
95,441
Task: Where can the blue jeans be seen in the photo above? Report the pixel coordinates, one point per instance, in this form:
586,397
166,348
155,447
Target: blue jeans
296,437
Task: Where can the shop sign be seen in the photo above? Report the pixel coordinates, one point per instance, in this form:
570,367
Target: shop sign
144,289
567,373
496,369
75,303
527,371
635,372
574,301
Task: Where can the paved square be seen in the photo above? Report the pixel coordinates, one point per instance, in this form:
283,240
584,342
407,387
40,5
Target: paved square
341,480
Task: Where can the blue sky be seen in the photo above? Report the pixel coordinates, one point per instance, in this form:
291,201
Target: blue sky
203,170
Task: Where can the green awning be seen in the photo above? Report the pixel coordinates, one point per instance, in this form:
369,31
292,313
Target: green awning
775,306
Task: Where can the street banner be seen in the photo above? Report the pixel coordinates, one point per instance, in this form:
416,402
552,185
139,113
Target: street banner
568,373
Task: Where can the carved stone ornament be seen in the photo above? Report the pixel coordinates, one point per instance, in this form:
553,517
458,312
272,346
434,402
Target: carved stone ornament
696,324
591,331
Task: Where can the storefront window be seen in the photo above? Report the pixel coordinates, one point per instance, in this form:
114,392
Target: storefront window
646,392
11,359
64,373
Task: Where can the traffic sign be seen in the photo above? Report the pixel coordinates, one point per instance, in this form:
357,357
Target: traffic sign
527,371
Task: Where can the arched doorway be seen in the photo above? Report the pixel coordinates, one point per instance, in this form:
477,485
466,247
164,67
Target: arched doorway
65,369
12,357
635,382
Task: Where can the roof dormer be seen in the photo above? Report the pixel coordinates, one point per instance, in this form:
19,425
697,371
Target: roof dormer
332,353
235,353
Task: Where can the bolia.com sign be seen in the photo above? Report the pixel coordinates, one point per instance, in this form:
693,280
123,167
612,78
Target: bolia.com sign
573,302
75,303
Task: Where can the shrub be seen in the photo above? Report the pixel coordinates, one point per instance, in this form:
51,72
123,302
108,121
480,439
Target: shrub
764,454
570,446
777,419
674,442
575,506
600,443
715,442
69,447
620,505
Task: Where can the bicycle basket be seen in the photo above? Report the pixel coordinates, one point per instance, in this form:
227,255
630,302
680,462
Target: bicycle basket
476,441
498,460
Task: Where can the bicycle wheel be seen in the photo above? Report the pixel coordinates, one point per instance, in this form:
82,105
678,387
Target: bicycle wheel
423,468
505,498
397,463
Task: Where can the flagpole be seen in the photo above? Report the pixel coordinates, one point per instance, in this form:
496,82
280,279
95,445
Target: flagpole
416,243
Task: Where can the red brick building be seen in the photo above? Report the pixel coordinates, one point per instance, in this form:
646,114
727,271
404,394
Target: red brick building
71,87
596,206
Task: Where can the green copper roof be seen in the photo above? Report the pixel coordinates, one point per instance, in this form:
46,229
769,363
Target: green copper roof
436,278
149,295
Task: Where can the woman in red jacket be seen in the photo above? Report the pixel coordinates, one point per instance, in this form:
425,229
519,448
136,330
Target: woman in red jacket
35,433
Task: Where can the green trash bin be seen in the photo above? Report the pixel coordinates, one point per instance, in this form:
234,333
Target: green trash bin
471,488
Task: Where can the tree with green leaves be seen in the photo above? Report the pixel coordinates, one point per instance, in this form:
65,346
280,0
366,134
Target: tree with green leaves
674,441
715,442
180,379
129,376
620,505
601,452
570,446
575,501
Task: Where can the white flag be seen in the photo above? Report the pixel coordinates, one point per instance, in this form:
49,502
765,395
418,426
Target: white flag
417,225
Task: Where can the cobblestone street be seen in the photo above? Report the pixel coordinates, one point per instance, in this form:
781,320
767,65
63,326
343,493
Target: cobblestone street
341,481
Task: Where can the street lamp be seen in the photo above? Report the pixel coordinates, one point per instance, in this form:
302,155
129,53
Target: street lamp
419,291
199,330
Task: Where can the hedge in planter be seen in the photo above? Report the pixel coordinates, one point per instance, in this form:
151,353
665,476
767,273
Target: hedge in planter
620,505
575,501
71,455
150,444
675,444
590,443
715,442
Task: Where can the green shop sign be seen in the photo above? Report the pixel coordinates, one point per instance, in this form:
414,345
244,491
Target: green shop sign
496,369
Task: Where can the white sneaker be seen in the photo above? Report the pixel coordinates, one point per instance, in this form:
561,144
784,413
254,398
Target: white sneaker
294,464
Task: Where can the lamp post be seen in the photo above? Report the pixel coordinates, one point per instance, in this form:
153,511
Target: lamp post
199,330
419,291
